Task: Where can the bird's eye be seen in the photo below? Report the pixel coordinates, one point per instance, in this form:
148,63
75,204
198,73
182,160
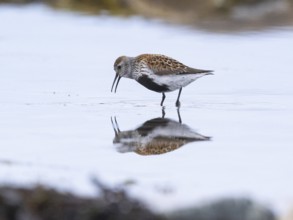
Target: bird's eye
119,67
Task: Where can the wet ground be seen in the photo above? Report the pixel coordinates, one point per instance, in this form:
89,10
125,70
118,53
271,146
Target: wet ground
56,72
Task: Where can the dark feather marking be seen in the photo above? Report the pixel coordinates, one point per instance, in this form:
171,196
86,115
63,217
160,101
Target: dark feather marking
187,71
151,85
151,125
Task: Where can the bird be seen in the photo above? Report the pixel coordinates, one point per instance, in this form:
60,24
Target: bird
157,72
155,136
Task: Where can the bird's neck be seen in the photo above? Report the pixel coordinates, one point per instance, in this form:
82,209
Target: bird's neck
130,68
134,68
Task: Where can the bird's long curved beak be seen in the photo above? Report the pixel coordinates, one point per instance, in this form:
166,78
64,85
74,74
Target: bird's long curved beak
119,77
114,82
116,76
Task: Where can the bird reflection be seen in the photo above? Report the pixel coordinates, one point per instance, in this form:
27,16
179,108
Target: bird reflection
155,136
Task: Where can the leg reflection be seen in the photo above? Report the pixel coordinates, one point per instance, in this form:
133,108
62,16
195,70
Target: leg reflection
163,112
179,116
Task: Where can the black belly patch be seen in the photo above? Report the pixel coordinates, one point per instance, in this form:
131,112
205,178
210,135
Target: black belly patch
150,84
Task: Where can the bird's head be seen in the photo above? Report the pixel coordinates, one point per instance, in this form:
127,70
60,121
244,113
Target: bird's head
122,67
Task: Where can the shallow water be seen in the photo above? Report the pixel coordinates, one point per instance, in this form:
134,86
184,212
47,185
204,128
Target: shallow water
56,72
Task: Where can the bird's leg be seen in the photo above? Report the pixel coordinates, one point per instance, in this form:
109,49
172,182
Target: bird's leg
163,98
163,112
177,101
179,116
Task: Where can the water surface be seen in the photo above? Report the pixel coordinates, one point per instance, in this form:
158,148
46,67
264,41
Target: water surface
56,71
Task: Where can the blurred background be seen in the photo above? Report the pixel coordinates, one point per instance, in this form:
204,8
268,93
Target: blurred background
71,149
215,15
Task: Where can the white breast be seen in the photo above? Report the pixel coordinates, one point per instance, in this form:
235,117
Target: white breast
175,81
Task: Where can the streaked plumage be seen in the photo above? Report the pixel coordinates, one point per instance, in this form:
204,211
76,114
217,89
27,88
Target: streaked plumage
158,73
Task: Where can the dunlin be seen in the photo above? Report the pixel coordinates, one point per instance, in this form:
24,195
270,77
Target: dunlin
156,72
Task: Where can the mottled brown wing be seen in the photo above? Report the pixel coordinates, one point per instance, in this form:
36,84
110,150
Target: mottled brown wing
163,65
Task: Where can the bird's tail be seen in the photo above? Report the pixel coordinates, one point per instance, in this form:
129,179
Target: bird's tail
207,72
200,71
